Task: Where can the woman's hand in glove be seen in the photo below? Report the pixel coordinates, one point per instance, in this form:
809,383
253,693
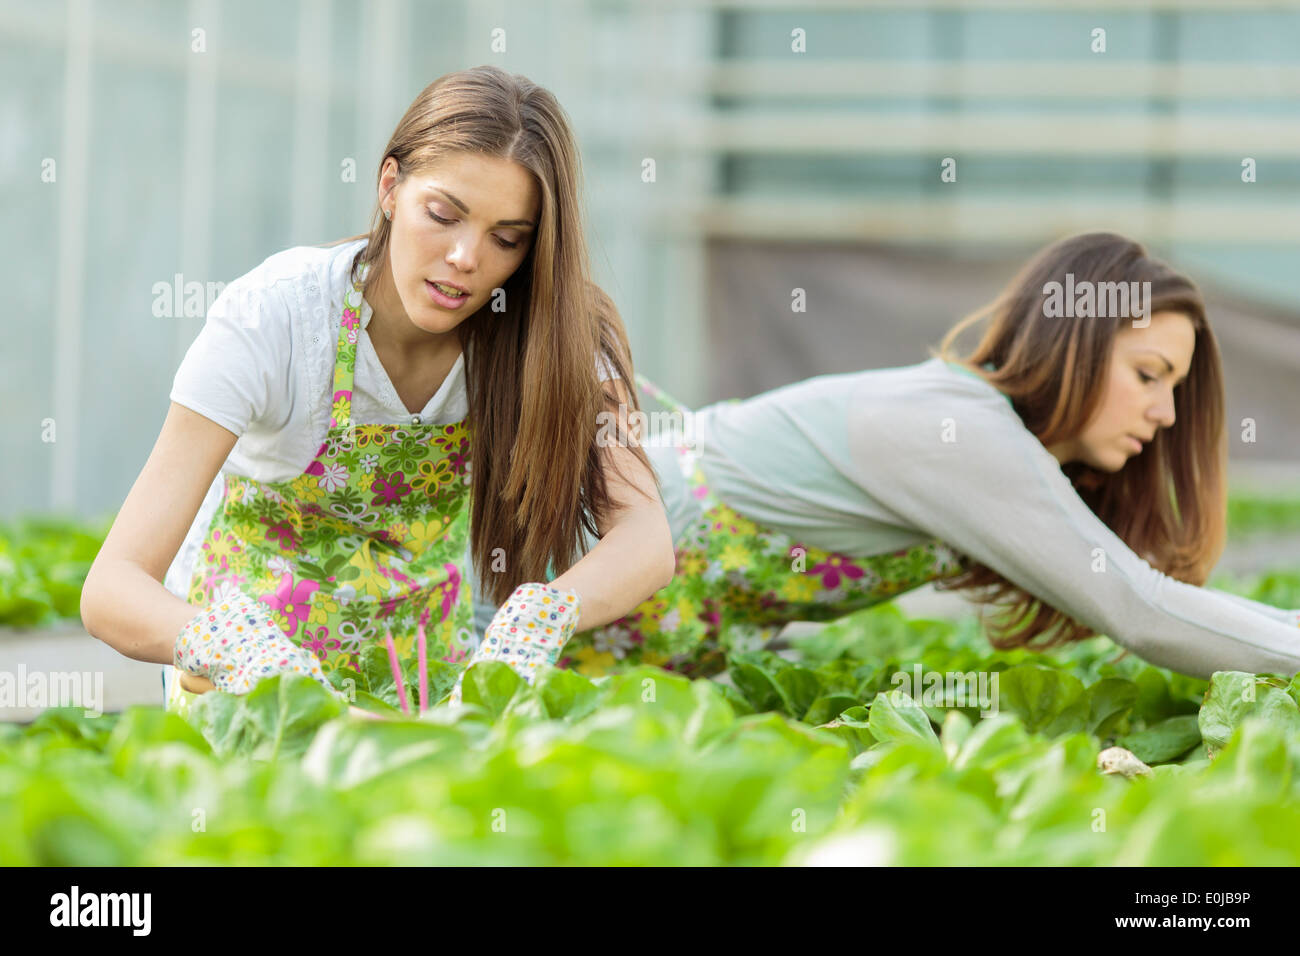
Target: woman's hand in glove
527,631
234,644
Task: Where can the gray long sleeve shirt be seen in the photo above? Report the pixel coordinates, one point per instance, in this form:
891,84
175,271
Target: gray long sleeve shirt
866,463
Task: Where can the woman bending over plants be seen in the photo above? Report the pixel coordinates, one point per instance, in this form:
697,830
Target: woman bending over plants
349,413
1069,473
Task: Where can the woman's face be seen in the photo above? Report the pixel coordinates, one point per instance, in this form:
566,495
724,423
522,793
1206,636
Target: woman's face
467,222
1146,365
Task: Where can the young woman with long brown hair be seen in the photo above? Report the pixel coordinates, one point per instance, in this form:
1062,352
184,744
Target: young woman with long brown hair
353,411
1070,471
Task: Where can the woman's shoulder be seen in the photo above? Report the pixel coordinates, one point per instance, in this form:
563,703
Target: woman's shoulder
914,385
936,378
310,269
901,400
296,284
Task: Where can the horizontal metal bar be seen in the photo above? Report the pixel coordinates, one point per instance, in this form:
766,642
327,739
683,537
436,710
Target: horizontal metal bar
978,219
872,79
965,132
966,6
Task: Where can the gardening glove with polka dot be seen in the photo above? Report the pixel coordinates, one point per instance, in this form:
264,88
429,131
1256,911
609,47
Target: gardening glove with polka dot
527,631
234,644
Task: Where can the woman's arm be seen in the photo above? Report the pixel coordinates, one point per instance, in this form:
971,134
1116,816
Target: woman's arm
123,601
634,557
235,372
997,495
1288,617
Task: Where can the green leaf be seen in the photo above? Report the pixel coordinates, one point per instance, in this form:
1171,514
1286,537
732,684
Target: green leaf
1166,741
1235,695
953,732
1159,696
1047,700
376,677
895,717
288,709
377,673
800,688
490,685
712,715
223,723
670,695
71,725
757,685
566,693
347,681
1109,701
24,604
140,729
991,741
771,683
348,753
1293,688
278,717
848,678
442,677
364,700
1258,758
739,704
853,727
827,708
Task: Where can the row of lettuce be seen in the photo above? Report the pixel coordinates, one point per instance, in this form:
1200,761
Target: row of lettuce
817,755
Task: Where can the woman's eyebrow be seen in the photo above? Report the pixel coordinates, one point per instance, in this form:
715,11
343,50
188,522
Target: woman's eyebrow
1165,360
465,209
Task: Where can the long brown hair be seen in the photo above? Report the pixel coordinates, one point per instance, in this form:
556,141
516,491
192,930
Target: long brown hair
1169,505
534,391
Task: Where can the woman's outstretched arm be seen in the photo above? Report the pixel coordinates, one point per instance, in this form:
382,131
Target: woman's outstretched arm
1288,617
997,495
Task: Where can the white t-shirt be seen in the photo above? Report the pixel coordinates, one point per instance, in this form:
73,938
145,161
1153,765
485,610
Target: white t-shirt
262,366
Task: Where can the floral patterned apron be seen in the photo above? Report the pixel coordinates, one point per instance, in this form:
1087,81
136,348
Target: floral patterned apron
738,583
366,542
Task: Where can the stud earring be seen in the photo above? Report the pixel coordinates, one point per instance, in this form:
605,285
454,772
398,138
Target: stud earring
388,215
